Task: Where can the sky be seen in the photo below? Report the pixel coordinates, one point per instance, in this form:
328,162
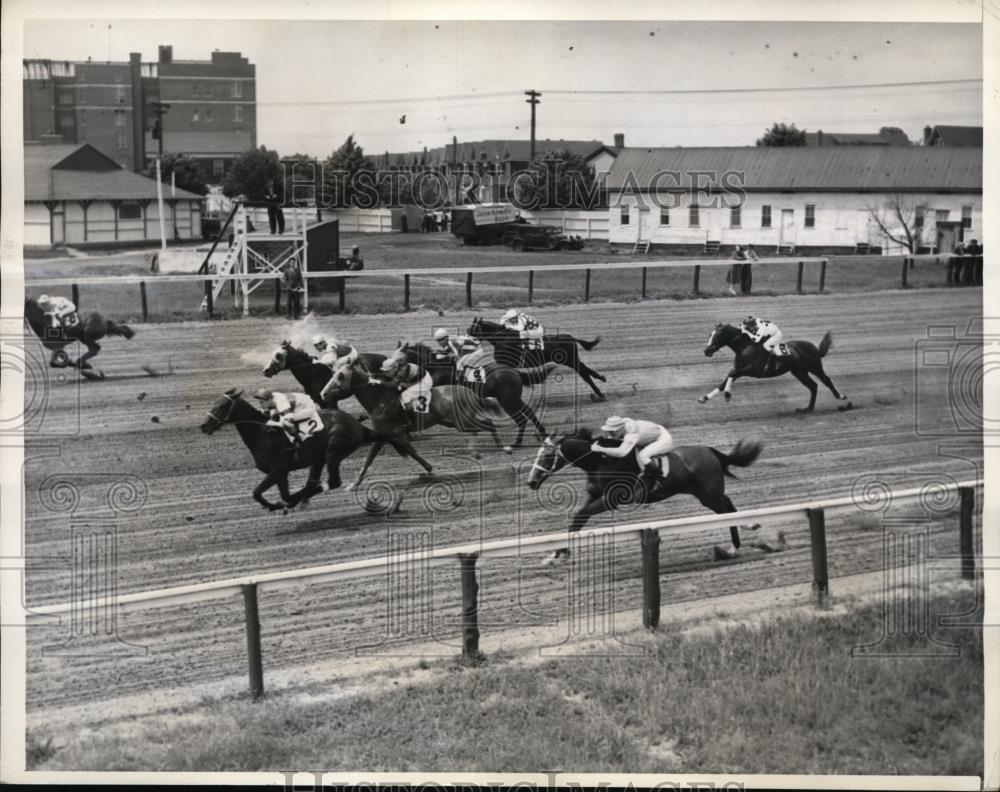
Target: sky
319,81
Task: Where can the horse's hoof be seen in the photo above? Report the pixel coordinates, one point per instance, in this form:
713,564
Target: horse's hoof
90,375
846,407
723,554
728,395
553,559
703,400
598,397
803,409
351,487
508,450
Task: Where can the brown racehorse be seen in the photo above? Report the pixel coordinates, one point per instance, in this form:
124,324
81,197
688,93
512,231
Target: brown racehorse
309,372
88,331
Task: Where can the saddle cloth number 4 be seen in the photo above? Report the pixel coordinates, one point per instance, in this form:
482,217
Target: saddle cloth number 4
477,374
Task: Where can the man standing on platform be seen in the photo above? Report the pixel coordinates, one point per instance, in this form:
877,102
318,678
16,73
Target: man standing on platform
275,217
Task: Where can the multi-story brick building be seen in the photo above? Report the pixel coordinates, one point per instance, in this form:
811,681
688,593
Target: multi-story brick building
212,115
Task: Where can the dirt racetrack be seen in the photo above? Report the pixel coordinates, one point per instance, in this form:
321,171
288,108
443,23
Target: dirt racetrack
124,457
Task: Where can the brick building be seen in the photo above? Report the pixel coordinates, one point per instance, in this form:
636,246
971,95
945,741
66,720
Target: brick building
212,115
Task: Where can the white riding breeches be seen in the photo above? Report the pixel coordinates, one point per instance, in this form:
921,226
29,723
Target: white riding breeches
659,446
771,342
420,394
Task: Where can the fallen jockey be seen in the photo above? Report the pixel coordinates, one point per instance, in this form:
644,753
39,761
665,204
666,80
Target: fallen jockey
413,382
763,332
530,331
295,413
61,311
647,438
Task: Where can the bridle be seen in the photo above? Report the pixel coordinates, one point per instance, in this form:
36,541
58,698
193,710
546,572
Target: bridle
222,421
558,454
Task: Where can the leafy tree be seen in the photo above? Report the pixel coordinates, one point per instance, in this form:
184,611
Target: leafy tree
349,178
187,173
783,135
558,179
251,172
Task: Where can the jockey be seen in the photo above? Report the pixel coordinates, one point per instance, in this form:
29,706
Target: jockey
465,351
296,413
334,352
531,331
320,344
647,438
413,382
61,310
762,332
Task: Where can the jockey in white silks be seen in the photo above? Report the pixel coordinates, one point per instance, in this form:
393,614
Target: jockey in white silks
296,413
334,352
413,381
61,311
531,332
647,438
763,332
466,352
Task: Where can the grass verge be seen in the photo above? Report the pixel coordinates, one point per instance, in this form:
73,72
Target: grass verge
782,697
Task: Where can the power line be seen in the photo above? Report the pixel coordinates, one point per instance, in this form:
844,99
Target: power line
676,91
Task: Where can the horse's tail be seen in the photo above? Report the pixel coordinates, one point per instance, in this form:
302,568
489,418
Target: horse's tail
120,330
744,454
536,374
588,345
825,344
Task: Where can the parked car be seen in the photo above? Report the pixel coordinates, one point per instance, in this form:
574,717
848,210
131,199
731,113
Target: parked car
539,237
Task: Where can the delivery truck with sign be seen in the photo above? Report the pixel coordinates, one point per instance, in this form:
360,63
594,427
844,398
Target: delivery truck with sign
483,224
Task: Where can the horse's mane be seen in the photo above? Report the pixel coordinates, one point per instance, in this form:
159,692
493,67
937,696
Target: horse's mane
582,433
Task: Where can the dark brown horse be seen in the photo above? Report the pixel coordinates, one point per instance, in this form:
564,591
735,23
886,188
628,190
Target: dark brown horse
88,331
752,360
309,372
614,482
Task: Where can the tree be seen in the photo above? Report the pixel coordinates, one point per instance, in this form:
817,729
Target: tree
349,177
251,172
558,179
900,220
783,135
186,171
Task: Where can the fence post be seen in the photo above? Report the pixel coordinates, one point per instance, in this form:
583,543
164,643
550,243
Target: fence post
76,296
817,542
798,279
904,271
822,276
650,540
253,640
209,299
277,295
531,286
965,543
586,287
406,292
697,278
342,295
142,296
644,273
470,606
468,289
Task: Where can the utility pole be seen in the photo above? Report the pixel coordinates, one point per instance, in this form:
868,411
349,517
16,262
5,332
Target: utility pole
159,109
533,101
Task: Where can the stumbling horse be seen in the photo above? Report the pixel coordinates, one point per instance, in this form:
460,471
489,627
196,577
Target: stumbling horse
560,348
275,456
309,372
614,482
448,405
88,331
502,383
752,360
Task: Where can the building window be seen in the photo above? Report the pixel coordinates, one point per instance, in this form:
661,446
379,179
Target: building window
65,98
237,113
121,141
966,217
810,215
66,121
118,76
237,90
217,168
120,94
941,215
625,215
119,118
918,216
765,216
129,210
664,216
693,216
194,116
208,114
83,118
735,216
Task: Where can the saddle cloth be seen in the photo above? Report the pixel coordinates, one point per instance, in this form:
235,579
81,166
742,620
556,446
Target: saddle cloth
780,350
476,374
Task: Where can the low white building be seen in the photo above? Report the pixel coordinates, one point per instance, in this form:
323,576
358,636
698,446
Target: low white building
795,199
74,194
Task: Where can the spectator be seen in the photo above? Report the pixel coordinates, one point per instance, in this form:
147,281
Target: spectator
975,253
275,217
746,276
444,221
735,273
355,262
295,288
955,264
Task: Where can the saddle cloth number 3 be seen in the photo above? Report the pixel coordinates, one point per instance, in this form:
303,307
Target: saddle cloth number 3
421,404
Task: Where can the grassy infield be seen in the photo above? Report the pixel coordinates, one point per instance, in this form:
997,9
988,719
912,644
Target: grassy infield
779,698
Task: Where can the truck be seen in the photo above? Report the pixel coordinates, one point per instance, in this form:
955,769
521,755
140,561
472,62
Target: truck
483,224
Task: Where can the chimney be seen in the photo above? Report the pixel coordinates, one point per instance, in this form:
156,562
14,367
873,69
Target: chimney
819,137
166,53
619,140
927,134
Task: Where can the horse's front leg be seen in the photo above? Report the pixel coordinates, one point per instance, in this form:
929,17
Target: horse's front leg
577,521
264,486
372,453
312,486
726,386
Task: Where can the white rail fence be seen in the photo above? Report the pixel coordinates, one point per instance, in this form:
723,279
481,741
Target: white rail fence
468,555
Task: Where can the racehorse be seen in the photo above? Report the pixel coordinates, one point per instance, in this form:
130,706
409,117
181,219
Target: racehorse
275,456
309,372
752,360
613,482
560,348
87,331
448,405
499,382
